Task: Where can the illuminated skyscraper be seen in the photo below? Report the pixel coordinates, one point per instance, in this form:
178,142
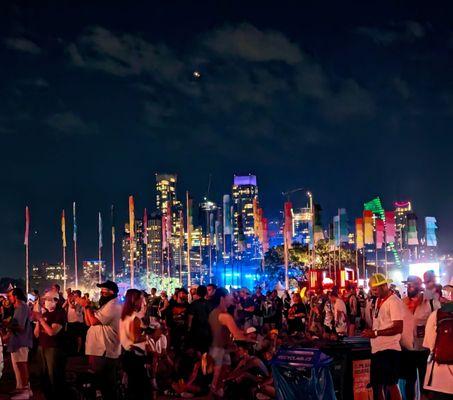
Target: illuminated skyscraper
154,247
165,191
244,191
302,225
138,249
90,275
402,208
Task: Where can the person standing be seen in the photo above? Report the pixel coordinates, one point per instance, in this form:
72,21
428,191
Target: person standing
222,328
197,322
133,342
352,308
49,331
339,313
247,308
20,341
102,344
413,360
297,315
438,339
385,336
75,326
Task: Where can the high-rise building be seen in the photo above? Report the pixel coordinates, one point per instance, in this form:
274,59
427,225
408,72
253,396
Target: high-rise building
302,225
90,275
165,191
402,208
245,189
154,247
138,249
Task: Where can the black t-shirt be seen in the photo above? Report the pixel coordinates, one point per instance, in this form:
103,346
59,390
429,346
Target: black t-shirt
177,314
246,303
200,310
55,317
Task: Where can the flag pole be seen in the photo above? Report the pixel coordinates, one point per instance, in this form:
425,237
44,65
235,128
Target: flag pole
64,268
76,277
26,242
385,258
100,247
131,237
189,239
63,232
113,241
339,248
146,239
285,248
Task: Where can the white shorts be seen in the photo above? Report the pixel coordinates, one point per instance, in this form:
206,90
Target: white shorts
220,356
20,355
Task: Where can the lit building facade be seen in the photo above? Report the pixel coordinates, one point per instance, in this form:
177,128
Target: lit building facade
154,246
302,225
402,208
245,189
138,249
165,191
90,275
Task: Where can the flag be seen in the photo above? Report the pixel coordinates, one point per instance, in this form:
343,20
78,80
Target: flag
368,227
74,222
265,235
379,233
359,233
181,230
226,215
390,227
131,217
288,225
431,226
100,229
112,216
189,221
145,226
63,229
241,237
27,225
343,221
336,230
411,229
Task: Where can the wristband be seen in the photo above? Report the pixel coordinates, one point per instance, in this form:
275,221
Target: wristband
375,333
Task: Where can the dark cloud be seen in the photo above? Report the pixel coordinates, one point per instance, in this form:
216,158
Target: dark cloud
70,124
23,45
406,31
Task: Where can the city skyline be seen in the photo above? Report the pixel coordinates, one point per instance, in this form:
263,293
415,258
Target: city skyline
350,104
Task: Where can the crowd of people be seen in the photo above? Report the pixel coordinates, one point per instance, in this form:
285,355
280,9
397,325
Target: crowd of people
208,340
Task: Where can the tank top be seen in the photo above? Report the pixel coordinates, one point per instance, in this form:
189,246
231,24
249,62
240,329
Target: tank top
220,333
125,335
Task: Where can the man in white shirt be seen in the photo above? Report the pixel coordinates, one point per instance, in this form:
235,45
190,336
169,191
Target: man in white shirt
413,359
102,342
385,337
339,313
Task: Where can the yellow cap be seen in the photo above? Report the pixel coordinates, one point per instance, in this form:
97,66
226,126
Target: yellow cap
379,280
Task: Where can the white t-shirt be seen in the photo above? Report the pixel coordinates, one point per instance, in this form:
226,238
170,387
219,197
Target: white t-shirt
159,345
339,312
442,375
125,335
103,339
391,310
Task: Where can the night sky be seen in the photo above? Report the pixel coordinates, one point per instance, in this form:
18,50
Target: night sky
348,101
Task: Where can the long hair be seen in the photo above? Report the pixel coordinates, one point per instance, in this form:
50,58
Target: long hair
132,296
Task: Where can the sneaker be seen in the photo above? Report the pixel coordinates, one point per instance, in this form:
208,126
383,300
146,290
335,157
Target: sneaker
22,395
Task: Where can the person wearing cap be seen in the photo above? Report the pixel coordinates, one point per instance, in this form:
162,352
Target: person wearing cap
439,375
385,336
102,341
414,358
429,280
49,330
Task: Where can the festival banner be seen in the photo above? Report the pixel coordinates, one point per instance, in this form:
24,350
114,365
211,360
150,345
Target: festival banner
112,217
390,227
63,229
145,226
265,230
361,380
431,226
189,220
288,226
131,217
100,230
74,222
368,227
27,226
359,233
379,233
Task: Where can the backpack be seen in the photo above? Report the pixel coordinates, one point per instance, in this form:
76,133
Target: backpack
443,350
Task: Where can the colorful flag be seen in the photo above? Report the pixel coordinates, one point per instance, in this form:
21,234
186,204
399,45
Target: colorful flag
227,215
379,233
145,226
100,229
344,233
27,226
390,227
431,226
368,227
74,222
131,217
336,230
359,233
189,221
411,229
112,216
63,229
288,225
265,234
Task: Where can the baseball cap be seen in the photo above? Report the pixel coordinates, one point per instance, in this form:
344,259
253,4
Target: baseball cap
413,280
250,329
379,280
109,285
